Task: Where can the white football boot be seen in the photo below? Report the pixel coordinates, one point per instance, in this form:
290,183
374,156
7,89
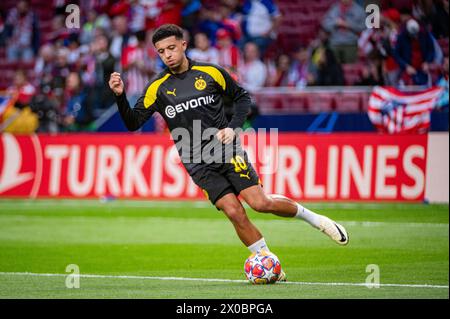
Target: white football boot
334,230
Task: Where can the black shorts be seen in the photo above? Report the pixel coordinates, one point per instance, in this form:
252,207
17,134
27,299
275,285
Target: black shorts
219,179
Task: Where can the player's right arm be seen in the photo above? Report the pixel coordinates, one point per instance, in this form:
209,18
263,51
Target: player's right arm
134,117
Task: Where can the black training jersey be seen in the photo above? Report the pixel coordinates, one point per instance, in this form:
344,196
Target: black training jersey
192,105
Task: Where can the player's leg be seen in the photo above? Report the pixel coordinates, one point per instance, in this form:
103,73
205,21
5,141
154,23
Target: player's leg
245,229
221,194
285,207
245,181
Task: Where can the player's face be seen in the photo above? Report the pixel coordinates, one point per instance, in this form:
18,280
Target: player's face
171,51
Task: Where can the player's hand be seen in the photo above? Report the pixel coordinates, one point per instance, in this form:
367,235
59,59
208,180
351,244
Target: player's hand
226,135
116,83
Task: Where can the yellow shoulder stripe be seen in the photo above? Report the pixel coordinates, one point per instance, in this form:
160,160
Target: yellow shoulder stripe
213,72
150,94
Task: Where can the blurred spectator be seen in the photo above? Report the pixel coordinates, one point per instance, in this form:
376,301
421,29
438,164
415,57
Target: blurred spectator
120,26
119,8
190,14
370,75
344,21
138,15
209,23
301,71
104,66
318,48
405,14
88,61
391,70
398,4
2,29
433,15
220,17
329,71
373,42
253,72
45,106
45,63
443,82
414,52
260,22
279,73
138,65
77,113
187,38
321,41
120,36
22,89
60,34
376,45
421,9
231,19
229,54
73,46
87,30
160,12
439,18
60,72
59,6
22,33
203,52
424,12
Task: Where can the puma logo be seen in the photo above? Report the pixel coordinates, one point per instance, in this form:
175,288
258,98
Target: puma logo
245,175
171,92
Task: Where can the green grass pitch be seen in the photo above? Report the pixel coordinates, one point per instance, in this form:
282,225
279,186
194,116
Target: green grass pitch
144,249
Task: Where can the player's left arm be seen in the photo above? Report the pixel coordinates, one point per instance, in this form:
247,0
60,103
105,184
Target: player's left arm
241,100
241,103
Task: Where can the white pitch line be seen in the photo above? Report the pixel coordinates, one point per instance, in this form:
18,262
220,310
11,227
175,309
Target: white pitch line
221,280
120,203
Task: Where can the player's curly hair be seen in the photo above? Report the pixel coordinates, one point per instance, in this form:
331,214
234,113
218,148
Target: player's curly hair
165,31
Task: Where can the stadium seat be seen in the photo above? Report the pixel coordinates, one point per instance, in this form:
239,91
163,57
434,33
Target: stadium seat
301,20
364,101
268,103
352,72
313,102
320,102
348,102
295,103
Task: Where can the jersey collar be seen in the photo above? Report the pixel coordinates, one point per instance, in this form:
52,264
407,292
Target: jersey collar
190,65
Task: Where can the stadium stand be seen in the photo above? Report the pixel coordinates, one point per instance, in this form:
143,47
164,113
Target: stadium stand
300,26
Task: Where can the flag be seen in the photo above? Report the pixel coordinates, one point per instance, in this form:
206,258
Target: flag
6,101
394,111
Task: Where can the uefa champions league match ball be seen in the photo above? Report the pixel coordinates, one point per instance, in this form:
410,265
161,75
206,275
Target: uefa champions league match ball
262,268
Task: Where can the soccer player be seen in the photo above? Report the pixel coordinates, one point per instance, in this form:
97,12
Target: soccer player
189,95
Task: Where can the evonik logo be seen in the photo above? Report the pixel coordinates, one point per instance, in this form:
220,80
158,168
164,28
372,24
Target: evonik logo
171,111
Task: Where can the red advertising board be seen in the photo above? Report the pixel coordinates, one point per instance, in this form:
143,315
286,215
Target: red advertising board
302,166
